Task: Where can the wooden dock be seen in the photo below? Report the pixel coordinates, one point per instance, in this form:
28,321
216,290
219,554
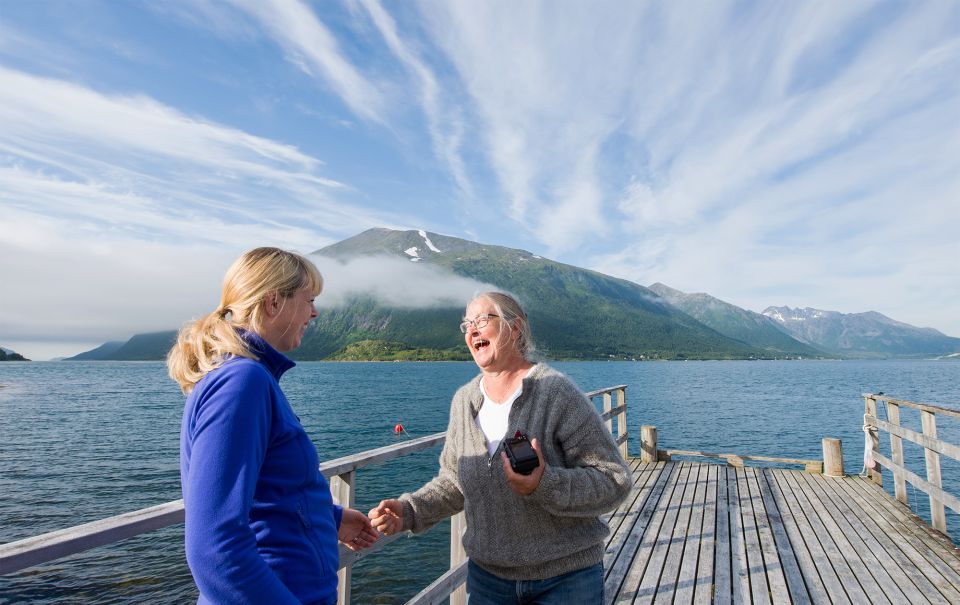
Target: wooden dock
693,532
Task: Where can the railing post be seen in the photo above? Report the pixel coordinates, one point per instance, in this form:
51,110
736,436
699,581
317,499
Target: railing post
342,489
607,405
458,525
832,457
870,408
896,449
622,421
937,515
648,443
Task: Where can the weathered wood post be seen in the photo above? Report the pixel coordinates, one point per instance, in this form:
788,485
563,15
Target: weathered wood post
896,449
458,525
622,421
648,443
938,517
832,457
870,409
343,490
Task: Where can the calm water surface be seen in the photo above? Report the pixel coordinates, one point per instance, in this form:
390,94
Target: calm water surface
83,441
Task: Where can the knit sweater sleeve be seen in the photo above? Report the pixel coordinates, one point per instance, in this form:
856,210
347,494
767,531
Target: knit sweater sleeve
229,435
594,477
442,497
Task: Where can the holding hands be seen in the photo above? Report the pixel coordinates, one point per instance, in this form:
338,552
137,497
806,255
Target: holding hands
387,517
355,530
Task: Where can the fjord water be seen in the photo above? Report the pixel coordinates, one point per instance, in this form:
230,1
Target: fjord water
84,441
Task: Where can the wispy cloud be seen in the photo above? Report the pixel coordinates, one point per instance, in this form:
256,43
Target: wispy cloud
311,46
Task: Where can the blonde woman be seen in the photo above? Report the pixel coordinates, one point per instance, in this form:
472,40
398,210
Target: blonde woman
261,525
534,535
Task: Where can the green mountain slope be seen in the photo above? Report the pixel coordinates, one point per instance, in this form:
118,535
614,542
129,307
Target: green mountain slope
575,313
730,320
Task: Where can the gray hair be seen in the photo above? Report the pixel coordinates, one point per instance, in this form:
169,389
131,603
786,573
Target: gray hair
511,313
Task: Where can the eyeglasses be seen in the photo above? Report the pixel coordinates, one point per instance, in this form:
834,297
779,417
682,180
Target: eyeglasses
479,322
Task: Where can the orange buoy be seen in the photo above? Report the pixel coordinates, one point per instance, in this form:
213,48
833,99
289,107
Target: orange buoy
398,429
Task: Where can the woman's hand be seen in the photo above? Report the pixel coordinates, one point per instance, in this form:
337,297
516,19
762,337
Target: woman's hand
355,530
387,517
524,484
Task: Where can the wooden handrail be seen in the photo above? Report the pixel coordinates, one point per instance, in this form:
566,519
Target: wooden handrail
932,446
737,460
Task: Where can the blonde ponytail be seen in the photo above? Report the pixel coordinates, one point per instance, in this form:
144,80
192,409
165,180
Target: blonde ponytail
204,344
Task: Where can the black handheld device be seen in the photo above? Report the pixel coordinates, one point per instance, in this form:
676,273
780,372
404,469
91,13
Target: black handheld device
522,457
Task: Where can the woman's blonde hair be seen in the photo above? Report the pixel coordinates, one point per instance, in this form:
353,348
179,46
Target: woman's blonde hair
510,311
203,345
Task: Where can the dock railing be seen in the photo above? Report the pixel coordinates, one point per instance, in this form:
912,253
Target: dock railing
342,474
933,448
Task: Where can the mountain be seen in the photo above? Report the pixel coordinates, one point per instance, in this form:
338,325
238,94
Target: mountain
741,324
152,346
102,352
8,355
867,334
576,313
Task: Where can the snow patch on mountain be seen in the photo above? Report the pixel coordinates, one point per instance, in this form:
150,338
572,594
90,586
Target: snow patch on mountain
430,245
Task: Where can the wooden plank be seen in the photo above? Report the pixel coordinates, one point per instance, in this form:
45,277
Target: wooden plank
803,579
896,450
928,442
754,563
650,582
937,515
708,541
773,567
738,460
623,521
940,554
723,552
339,466
438,591
343,490
853,574
64,542
915,587
933,409
870,409
635,552
923,485
861,542
669,586
839,581
739,565
611,413
592,394
687,577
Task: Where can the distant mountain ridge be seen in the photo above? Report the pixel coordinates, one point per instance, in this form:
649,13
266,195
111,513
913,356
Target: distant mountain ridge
576,314
868,334
752,328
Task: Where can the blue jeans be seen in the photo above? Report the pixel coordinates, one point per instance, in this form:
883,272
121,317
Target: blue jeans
582,587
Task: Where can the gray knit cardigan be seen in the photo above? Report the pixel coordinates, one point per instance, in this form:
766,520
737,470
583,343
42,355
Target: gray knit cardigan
557,528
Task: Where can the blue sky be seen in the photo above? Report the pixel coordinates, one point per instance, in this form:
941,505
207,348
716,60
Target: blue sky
768,153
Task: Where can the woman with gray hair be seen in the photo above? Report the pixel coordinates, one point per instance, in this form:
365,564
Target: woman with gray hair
534,533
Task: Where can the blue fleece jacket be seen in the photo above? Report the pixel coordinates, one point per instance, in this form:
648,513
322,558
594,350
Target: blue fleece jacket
261,526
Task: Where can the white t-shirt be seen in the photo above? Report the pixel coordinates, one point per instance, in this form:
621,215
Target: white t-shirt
494,417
